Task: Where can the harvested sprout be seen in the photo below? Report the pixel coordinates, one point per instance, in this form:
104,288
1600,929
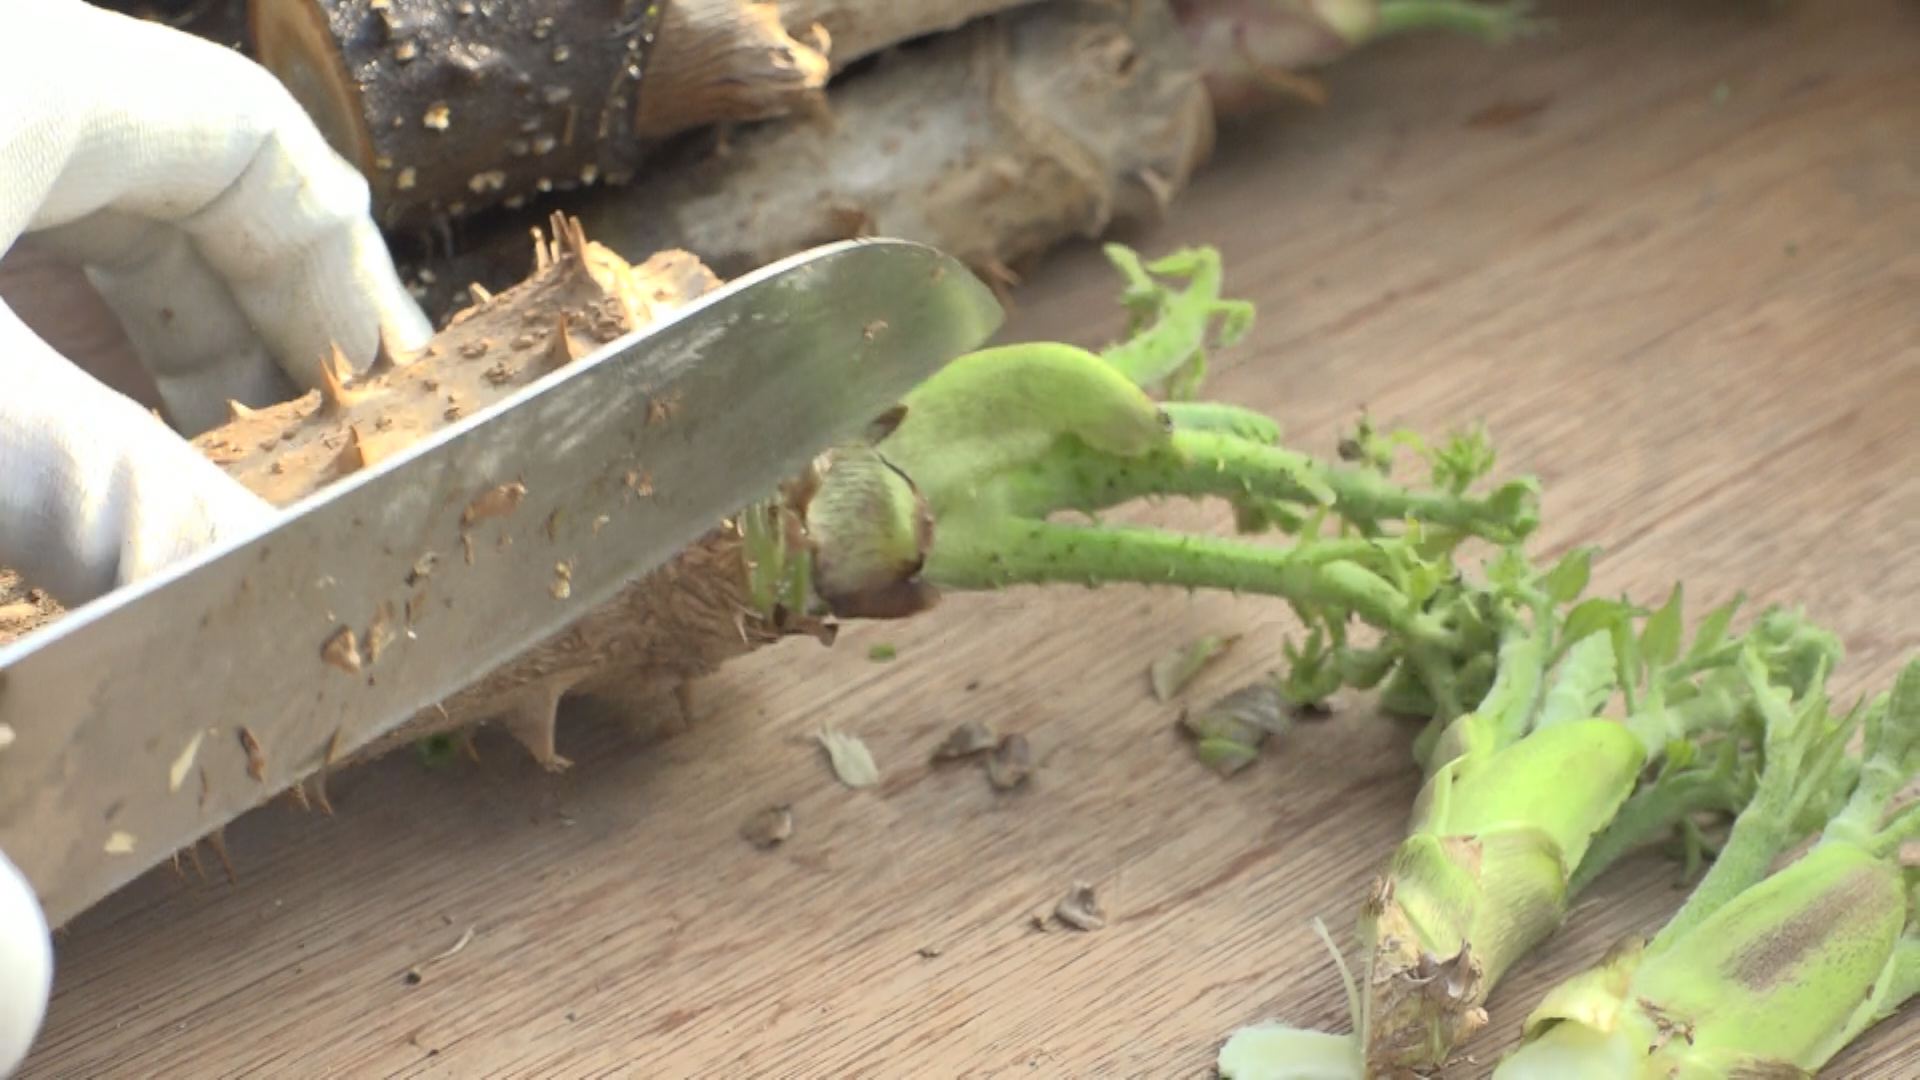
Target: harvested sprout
1531,792
1762,972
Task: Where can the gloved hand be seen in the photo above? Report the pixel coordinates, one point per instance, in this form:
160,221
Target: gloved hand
234,247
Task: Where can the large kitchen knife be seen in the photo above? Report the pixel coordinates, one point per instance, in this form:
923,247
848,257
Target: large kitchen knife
126,714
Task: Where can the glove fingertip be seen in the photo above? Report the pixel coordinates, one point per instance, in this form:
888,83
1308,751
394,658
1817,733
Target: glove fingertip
26,967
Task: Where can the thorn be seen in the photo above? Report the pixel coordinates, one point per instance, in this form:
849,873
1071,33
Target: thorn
217,840
1001,279
531,719
542,257
388,355
237,411
199,868
569,239
177,871
334,373
1159,187
353,456
320,798
561,350
478,292
298,793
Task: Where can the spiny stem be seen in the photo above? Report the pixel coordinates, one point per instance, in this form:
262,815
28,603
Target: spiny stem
1582,685
1073,476
1718,704
1172,349
1893,757
1000,553
1219,416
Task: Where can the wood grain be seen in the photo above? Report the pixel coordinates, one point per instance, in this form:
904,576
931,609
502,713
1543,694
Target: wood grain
1690,312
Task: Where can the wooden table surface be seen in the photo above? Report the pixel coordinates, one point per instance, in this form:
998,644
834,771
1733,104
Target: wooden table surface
1671,256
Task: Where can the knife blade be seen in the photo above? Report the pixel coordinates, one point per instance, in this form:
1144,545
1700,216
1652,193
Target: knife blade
128,712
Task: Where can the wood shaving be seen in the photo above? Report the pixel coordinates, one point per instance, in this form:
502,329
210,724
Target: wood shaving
970,738
769,827
342,650
1172,673
414,974
1228,734
1011,763
852,762
177,772
256,756
1080,908
494,502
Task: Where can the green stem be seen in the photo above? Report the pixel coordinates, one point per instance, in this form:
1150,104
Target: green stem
1904,983
1717,706
1199,463
995,554
1220,417
1581,687
1756,840
1650,813
1902,829
1893,757
1495,22
1174,346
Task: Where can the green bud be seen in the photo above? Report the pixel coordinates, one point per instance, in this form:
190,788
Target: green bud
870,533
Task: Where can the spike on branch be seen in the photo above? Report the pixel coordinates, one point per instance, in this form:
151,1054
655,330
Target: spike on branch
561,349
354,456
388,355
335,370
531,720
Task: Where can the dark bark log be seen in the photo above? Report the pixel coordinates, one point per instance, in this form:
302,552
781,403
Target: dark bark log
994,143
453,106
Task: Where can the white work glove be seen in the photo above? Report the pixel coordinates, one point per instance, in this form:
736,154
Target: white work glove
234,246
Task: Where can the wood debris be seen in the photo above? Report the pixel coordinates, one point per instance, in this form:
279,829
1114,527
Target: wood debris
1228,734
1173,672
969,738
1080,908
1011,763
416,974
177,772
769,828
852,761
256,755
